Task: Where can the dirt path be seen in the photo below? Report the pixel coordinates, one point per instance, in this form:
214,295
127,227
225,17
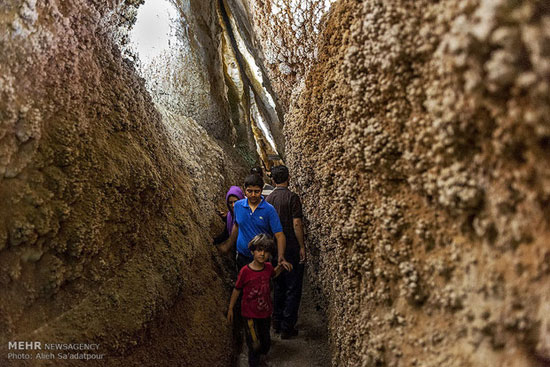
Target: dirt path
308,349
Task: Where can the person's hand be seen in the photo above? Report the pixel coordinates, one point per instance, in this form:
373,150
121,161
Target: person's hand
303,255
286,265
223,247
280,259
230,315
221,213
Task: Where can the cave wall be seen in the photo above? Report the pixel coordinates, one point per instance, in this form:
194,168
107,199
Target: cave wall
108,195
257,95
187,78
427,206
432,180
285,35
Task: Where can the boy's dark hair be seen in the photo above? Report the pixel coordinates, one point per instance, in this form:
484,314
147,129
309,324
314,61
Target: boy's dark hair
279,174
254,180
261,242
256,171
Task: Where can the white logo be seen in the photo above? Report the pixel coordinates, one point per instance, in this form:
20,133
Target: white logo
262,218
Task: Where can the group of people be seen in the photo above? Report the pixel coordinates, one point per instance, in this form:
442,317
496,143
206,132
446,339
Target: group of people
254,222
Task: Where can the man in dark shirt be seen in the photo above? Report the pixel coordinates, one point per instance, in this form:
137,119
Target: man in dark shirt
288,287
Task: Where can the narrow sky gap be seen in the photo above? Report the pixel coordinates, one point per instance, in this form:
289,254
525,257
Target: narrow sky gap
258,75
151,35
261,123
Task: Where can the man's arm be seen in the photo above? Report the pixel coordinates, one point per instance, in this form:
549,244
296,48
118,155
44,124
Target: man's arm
281,246
234,297
299,231
227,244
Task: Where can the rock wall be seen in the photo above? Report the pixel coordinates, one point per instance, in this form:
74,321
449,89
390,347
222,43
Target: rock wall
285,34
419,142
427,204
108,197
252,90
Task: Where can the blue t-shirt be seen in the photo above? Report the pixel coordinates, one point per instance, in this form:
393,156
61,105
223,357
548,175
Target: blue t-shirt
264,220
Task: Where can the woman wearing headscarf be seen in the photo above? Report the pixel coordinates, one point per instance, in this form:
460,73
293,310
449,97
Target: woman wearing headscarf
234,194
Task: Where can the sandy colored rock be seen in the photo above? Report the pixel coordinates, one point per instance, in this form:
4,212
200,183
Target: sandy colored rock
432,181
108,196
417,134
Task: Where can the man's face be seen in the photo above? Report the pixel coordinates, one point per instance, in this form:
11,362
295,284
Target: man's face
253,194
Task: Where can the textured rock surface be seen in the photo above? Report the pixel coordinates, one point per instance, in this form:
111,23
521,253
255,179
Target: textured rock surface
286,34
428,202
419,142
108,204
245,75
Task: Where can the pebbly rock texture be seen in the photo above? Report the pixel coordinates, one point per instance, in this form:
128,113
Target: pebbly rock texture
419,142
285,33
427,204
188,78
107,197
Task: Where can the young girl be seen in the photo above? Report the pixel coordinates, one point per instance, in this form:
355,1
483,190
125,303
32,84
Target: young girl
256,305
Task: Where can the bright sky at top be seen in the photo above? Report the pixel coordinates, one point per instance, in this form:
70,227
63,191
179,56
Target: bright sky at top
152,31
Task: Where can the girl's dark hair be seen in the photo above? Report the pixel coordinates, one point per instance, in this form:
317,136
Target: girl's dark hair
253,180
261,242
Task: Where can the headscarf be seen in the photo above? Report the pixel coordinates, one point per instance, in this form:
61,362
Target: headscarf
235,191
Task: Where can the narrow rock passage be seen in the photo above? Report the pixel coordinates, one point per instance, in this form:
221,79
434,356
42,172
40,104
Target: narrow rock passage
310,348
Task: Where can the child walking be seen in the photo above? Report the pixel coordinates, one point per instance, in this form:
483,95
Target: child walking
256,305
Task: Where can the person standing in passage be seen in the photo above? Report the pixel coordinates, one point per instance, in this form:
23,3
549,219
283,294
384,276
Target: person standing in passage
233,195
288,287
253,216
267,188
256,305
